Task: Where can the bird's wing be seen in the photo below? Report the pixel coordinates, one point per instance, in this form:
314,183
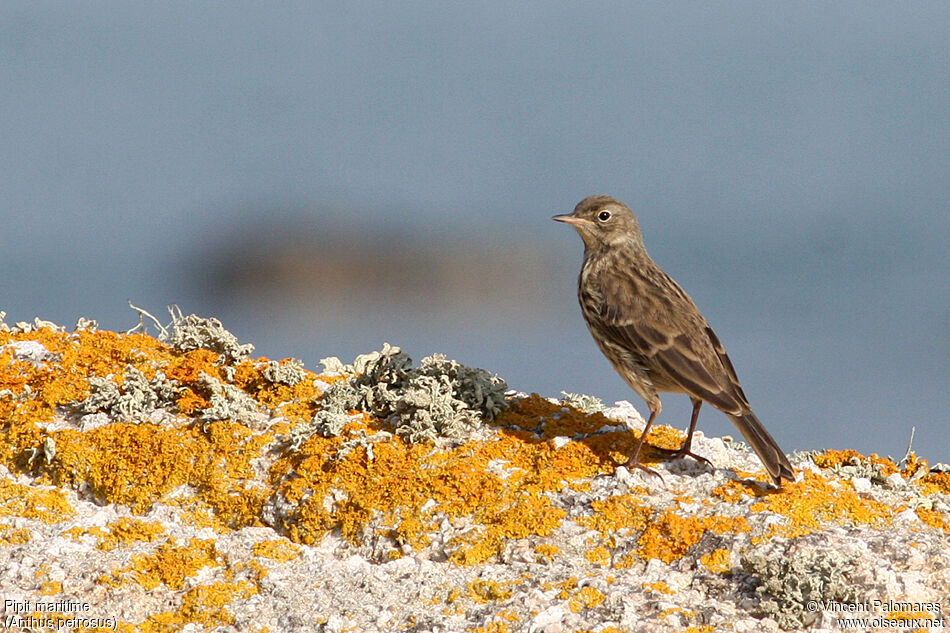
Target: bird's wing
648,312
726,363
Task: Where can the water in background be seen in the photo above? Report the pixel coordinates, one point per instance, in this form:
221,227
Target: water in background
326,178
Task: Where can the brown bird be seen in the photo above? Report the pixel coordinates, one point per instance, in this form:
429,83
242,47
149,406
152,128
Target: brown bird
652,332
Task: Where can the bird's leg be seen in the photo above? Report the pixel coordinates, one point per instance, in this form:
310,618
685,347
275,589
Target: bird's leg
634,461
686,449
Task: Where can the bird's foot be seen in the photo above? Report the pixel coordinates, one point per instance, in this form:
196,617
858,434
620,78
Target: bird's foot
680,453
633,462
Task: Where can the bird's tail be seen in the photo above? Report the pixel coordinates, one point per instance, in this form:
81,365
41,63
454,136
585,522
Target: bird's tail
775,461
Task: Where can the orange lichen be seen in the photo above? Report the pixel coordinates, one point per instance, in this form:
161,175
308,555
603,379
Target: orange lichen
190,402
719,524
669,536
205,605
411,531
508,614
598,556
665,536
717,561
30,502
527,412
832,459
574,423
125,531
483,591
13,536
546,551
616,514
122,532
566,587
934,518
138,464
732,491
200,514
585,598
51,588
491,627
913,465
402,478
133,464
906,612
280,550
815,500
171,563
659,587
289,400
666,437
935,483
187,367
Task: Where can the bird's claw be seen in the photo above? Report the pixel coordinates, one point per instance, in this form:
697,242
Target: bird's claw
635,463
679,453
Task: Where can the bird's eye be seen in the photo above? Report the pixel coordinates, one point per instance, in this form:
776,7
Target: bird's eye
603,216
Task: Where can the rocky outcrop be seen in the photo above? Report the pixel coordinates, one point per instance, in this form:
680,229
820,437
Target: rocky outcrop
177,483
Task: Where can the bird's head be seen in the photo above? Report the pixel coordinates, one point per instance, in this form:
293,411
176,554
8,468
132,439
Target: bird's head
604,223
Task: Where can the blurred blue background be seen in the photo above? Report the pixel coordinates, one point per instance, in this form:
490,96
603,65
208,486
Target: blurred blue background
324,177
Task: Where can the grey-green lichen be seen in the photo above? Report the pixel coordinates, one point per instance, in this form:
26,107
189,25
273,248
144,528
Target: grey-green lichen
583,402
439,398
786,584
136,396
227,402
287,373
134,399
194,332
333,414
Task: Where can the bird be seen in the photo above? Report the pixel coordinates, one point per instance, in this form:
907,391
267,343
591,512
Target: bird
654,335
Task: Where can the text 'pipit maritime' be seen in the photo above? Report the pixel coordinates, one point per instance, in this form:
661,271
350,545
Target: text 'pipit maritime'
652,332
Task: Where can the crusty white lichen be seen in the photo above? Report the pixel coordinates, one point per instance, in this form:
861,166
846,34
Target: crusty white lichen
84,324
32,352
25,327
362,441
439,398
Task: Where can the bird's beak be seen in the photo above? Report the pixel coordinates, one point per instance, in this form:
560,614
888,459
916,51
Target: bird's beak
570,218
